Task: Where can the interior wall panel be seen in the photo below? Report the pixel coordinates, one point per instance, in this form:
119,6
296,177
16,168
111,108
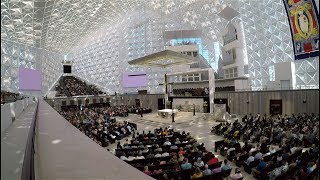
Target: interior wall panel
259,101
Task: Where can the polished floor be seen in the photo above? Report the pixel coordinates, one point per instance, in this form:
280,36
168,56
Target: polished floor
199,127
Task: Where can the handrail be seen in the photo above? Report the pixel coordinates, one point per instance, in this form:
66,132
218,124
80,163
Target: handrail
28,172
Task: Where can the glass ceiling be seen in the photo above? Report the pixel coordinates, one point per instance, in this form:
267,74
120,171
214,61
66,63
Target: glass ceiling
102,35
59,25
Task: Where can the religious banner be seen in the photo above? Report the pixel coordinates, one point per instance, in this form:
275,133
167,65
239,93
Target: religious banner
303,19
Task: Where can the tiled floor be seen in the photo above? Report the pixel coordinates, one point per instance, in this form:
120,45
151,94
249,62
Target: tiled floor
199,127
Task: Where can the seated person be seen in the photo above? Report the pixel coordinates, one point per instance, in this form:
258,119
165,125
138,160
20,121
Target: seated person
181,151
216,170
237,174
311,167
229,150
141,145
285,155
247,147
123,157
279,157
174,159
131,157
165,176
199,163
140,156
292,164
150,155
181,158
262,165
226,166
213,160
276,172
158,148
157,171
185,164
146,170
165,154
197,174
158,155
145,150
250,159
167,142
177,141
206,171
174,147
258,156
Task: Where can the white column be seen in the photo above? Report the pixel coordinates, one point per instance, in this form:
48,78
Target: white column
211,88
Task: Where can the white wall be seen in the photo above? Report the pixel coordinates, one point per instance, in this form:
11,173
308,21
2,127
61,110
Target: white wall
211,89
283,71
189,85
183,48
187,104
241,84
225,83
239,45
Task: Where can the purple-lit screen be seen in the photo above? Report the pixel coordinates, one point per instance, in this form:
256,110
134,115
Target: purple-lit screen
134,79
29,79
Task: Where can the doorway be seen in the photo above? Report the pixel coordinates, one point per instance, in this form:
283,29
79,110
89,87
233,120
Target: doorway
137,102
276,106
206,107
160,103
222,101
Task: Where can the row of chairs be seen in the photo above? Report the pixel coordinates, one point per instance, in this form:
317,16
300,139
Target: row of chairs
186,175
162,138
263,174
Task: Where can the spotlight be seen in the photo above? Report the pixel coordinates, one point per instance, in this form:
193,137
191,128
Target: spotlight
304,101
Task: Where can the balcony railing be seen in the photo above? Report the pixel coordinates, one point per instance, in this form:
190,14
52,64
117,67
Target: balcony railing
227,41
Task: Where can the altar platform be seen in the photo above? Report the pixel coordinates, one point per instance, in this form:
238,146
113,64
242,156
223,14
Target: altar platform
166,113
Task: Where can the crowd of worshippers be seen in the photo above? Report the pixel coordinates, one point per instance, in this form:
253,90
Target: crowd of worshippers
169,154
100,127
138,110
274,147
7,97
110,111
120,110
75,87
60,91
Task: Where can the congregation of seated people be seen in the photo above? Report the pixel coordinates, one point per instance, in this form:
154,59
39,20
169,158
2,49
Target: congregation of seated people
137,109
274,147
8,97
169,154
111,111
98,126
120,110
71,86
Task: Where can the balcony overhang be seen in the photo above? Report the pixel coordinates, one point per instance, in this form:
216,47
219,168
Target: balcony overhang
166,58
